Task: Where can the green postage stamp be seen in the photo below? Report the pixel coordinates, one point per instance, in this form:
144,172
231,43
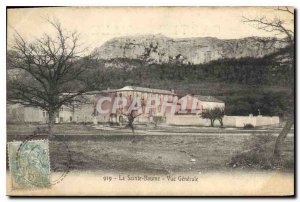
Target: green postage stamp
29,164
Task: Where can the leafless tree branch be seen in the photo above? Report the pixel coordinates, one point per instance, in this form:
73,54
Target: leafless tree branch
51,64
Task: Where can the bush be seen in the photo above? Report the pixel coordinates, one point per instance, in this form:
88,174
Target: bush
258,154
248,126
158,119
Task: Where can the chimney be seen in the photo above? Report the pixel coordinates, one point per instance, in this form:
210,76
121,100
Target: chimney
172,91
108,88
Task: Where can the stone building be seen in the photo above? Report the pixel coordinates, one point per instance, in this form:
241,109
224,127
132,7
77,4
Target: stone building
86,111
145,94
18,113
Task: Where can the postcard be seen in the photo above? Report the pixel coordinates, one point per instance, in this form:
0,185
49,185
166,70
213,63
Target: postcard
150,101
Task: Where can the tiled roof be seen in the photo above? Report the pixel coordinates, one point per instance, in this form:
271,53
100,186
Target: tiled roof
92,92
208,98
109,91
148,90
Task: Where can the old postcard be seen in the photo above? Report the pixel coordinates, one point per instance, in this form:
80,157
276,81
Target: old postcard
150,101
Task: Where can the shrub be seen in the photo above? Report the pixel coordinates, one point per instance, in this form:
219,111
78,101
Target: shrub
216,113
248,126
258,154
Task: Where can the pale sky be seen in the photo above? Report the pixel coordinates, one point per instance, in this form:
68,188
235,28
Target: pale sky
99,24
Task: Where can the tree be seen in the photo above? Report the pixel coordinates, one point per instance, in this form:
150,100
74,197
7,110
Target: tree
278,27
131,111
131,116
216,113
220,112
50,67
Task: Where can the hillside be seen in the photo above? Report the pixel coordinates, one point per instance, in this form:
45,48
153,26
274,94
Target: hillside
246,84
162,49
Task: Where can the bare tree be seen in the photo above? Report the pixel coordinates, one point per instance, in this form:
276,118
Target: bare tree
131,111
278,27
51,67
275,25
131,116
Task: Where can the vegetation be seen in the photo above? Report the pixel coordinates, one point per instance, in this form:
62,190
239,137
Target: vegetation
243,71
257,153
51,68
279,27
246,85
248,126
213,114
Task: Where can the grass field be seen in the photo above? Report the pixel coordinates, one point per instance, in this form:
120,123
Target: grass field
88,129
150,153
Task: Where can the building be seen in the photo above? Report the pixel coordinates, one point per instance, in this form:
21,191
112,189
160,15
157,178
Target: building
86,111
65,115
18,113
145,95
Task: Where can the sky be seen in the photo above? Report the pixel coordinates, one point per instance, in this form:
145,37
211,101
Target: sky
96,25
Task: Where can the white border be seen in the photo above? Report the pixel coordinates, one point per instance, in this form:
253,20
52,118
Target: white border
150,3
4,3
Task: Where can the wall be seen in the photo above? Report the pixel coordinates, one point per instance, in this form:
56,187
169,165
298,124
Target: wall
228,121
33,114
66,115
241,121
15,113
187,120
84,113
143,119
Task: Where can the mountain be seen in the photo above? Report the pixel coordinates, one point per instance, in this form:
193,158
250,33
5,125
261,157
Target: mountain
162,49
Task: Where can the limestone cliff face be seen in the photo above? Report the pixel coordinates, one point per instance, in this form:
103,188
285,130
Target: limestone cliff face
161,49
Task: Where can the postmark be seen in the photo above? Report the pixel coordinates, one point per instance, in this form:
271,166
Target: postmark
29,164
29,161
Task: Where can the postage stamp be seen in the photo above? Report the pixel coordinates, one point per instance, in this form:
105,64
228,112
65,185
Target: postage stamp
29,164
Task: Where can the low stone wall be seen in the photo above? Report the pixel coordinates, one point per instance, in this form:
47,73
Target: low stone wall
186,120
228,121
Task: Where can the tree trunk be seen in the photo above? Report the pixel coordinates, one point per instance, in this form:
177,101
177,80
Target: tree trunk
133,133
212,122
132,128
51,121
221,122
281,137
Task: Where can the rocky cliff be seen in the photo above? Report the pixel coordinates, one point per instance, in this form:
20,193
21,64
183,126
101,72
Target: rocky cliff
161,49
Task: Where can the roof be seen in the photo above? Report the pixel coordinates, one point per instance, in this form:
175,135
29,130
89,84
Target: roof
208,98
92,92
148,90
109,91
